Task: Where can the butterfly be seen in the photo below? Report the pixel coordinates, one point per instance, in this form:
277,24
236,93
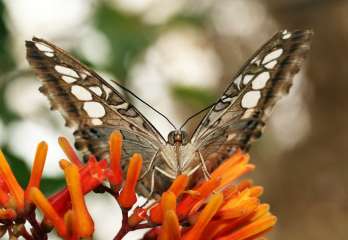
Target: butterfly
94,109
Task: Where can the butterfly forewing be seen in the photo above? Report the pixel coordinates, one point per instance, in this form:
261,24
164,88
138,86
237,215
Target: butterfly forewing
90,104
239,115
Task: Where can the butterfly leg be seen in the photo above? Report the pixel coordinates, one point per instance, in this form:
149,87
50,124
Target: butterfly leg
150,167
152,186
204,167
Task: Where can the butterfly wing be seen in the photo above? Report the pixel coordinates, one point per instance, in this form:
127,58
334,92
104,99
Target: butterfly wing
239,115
90,104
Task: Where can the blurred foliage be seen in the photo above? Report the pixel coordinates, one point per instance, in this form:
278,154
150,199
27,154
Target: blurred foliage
128,37
196,98
7,68
7,64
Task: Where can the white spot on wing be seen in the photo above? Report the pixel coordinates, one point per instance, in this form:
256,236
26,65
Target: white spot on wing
80,93
49,54
260,81
94,109
247,78
254,60
231,136
96,90
122,106
271,64
286,34
238,80
107,90
43,48
83,75
66,71
250,99
248,113
272,55
68,79
96,121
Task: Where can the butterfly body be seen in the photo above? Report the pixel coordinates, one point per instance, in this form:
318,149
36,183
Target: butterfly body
94,108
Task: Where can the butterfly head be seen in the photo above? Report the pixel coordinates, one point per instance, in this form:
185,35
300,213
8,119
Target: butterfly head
178,136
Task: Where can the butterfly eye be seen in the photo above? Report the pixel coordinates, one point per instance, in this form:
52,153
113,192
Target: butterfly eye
184,137
178,137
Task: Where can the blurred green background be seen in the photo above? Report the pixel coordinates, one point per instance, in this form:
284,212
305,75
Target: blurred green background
179,55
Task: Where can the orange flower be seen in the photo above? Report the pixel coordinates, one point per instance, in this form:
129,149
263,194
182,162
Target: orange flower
217,208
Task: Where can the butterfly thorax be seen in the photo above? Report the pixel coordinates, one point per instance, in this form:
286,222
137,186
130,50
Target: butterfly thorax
178,153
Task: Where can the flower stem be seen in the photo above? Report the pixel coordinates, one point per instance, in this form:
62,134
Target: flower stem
125,227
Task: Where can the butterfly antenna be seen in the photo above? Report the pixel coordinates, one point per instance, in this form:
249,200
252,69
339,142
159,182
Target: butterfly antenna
196,114
141,100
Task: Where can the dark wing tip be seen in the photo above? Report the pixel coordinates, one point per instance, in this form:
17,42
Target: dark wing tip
29,43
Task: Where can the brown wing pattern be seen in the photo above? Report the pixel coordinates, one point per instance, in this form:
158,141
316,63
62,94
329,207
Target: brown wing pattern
90,104
239,115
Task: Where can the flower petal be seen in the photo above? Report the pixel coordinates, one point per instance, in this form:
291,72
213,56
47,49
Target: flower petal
37,169
11,182
82,221
115,143
69,151
127,196
205,216
179,185
170,228
48,211
252,229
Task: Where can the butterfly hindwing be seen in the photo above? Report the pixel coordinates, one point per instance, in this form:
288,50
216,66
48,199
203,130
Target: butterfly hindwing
239,115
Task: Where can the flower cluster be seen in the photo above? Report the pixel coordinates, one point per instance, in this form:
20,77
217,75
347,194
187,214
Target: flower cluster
217,208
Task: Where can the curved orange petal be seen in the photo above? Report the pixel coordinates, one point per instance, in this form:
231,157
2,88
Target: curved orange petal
37,169
69,151
115,143
170,229
251,229
204,217
204,190
179,185
48,211
236,159
244,208
11,182
127,196
82,221
167,202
